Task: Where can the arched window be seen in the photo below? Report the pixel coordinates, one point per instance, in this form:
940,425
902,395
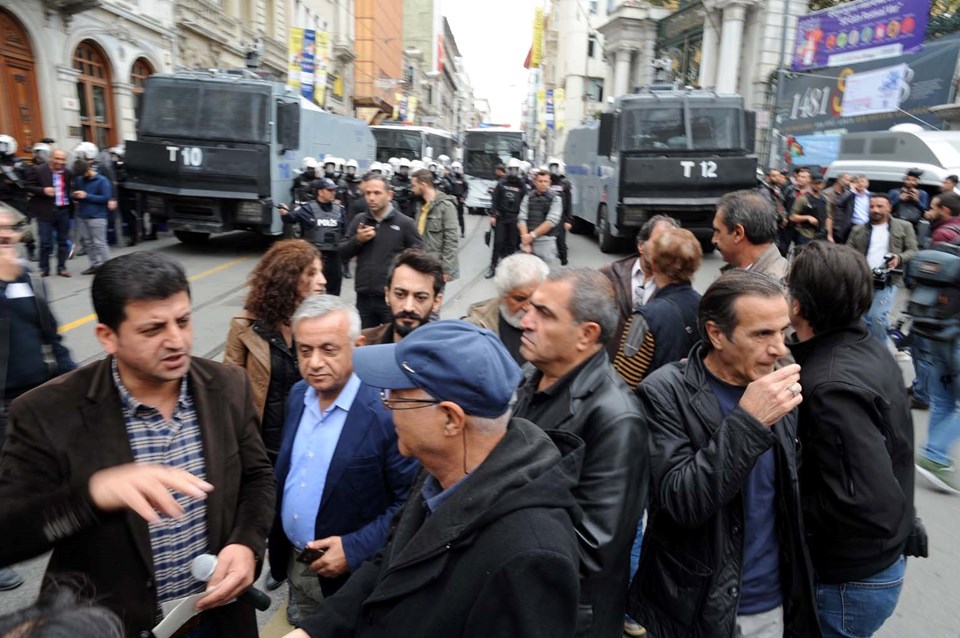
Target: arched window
95,92
19,101
142,69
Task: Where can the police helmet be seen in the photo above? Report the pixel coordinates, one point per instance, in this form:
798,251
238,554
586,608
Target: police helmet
117,151
86,151
456,167
403,162
444,160
8,145
42,149
514,167
351,167
308,163
555,166
377,168
394,163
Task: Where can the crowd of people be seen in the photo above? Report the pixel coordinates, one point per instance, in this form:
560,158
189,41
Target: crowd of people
589,452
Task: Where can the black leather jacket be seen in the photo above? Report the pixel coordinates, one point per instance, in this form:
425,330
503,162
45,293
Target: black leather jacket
688,582
597,406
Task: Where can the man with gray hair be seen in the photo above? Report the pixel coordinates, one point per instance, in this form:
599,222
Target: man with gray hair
573,388
487,546
745,233
516,278
340,477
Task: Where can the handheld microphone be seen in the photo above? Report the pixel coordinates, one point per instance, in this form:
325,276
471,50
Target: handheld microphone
202,569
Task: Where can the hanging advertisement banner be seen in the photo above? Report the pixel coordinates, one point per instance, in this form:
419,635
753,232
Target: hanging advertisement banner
873,91
294,57
536,56
307,63
813,103
542,109
859,31
411,110
549,109
321,60
560,107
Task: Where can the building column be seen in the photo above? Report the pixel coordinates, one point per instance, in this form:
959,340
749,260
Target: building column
621,71
709,50
646,56
125,111
730,42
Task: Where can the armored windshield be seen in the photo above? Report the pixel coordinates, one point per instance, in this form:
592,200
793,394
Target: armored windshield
483,151
205,111
673,125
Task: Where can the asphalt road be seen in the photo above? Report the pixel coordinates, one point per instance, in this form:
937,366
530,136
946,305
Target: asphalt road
218,270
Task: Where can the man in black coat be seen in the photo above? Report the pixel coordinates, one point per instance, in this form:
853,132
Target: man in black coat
485,546
573,388
857,436
49,186
723,553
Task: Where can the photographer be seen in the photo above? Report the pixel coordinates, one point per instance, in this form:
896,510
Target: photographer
888,244
910,202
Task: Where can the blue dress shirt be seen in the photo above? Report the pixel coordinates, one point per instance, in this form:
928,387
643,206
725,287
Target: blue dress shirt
316,440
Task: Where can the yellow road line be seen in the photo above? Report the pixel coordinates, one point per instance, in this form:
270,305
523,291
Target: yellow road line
206,273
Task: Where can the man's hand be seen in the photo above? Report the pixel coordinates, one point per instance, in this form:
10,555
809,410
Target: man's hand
527,238
112,204
79,194
813,220
297,633
145,489
771,397
894,261
49,191
493,220
283,209
333,563
831,239
236,565
567,226
527,248
365,233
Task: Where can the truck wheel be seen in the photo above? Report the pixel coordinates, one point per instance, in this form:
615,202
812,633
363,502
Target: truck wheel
581,226
608,243
191,237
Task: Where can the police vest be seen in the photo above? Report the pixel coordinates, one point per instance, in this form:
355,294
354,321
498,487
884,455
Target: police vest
457,185
511,195
326,231
538,206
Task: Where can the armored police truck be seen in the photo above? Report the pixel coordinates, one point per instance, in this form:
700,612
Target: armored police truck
659,151
216,150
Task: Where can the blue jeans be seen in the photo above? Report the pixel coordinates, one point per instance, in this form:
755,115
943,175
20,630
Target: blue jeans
877,316
922,358
859,609
58,226
943,385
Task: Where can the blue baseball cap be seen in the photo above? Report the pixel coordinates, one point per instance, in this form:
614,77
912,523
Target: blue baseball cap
450,360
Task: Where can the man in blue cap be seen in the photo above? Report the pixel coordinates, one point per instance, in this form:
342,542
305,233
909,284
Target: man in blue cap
486,542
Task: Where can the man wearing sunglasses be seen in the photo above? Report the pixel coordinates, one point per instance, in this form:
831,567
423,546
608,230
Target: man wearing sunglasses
486,543
340,477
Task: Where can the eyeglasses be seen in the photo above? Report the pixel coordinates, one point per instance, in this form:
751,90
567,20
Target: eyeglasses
405,404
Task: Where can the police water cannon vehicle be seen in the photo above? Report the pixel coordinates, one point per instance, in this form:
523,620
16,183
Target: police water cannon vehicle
217,150
661,150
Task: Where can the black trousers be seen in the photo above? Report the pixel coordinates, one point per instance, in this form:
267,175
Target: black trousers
506,239
460,217
373,310
562,244
331,271
59,224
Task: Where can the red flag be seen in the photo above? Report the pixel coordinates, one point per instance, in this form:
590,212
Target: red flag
526,62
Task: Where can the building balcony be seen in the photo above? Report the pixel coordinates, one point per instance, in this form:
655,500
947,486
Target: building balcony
71,7
343,51
208,20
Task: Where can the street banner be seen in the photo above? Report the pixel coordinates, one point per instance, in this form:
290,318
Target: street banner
542,109
560,107
411,110
860,31
813,104
536,55
549,109
294,57
873,91
307,63
321,60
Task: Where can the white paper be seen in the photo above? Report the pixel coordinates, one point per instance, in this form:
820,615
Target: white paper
175,614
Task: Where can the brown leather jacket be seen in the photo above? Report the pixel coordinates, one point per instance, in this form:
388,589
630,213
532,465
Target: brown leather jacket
248,350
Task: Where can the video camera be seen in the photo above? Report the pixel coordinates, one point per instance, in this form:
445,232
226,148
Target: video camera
882,275
934,306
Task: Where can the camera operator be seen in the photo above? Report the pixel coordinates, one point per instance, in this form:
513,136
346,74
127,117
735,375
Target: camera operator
888,243
910,202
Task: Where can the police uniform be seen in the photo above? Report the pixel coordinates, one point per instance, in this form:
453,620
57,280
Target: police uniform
457,187
506,200
562,187
322,225
403,194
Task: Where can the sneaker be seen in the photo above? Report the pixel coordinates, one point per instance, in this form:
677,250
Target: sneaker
92,270
9,579
293,616
632,628
943,477
491,271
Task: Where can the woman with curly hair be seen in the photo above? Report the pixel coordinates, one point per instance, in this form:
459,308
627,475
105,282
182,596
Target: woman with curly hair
260,339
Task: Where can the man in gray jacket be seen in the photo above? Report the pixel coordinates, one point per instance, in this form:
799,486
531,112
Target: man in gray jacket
437,223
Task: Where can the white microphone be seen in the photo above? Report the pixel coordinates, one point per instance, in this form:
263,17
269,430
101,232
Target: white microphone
202,569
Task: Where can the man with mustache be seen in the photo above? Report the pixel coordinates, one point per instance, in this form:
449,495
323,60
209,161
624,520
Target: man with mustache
414,292
515,279
132,466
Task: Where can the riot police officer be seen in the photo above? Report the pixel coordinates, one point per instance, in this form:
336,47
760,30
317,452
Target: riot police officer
403,189
457,187
561,185
12,191
330,168
302,188
351,197
505,206
321,223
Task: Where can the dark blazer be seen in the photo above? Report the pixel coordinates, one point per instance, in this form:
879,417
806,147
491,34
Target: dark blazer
62,432
41,206
368,481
